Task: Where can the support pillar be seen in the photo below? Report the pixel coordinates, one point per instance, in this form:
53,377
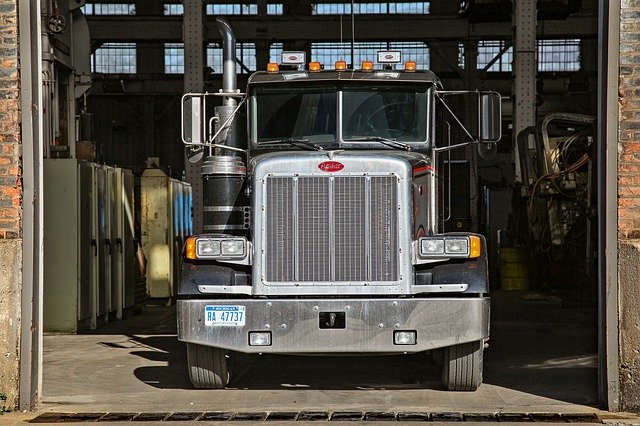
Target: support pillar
194,54
524,70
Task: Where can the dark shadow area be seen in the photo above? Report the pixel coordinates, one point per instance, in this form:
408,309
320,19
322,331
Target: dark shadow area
537,346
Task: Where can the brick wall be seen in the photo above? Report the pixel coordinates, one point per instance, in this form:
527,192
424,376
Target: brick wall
10,205
10,187
629,206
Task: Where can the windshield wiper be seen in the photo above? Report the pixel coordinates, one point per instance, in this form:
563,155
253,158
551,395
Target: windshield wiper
297,142
385,141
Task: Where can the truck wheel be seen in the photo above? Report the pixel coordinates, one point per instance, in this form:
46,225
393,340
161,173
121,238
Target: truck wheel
462,369
208,367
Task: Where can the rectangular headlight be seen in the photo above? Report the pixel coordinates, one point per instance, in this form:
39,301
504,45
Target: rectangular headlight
260,338
234,248
456,246
407,337
431,246
207,248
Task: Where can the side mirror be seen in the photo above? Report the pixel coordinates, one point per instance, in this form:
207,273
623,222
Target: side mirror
490,108
192,114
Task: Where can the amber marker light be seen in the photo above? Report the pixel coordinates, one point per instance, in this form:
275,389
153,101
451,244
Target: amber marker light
272,67
475,248
367,66
410,66
341,65
191,248
315,66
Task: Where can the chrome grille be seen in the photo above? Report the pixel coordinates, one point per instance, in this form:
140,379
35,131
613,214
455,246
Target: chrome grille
331,229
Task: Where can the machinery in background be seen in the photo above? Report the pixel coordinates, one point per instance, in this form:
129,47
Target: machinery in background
89,249
556,215
66,78
165,210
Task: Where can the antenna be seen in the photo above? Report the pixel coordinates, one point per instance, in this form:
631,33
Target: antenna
353,33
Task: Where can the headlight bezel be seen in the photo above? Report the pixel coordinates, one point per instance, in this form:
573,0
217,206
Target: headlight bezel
469,246
196,244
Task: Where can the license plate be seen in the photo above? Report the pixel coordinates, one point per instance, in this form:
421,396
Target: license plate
231,315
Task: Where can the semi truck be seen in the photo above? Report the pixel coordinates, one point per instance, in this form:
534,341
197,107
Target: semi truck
324,195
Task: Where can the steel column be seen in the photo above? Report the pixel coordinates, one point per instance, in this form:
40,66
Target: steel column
524,69
194,54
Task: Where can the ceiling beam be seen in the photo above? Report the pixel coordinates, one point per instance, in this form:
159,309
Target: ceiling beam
169,28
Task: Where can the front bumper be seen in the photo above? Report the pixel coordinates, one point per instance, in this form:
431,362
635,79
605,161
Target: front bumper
369,324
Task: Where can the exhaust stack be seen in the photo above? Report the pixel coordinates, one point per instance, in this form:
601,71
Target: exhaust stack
225,203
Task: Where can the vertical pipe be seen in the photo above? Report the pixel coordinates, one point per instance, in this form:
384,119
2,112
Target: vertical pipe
229,80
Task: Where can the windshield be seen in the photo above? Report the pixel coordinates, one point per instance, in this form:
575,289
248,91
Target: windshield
328,114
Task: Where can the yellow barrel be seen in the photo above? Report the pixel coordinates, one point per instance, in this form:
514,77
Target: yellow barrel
514,274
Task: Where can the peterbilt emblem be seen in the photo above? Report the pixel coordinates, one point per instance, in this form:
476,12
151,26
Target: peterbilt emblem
293,58
331,166
388,56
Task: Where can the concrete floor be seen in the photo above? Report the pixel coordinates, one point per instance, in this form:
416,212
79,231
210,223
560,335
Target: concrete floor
542,358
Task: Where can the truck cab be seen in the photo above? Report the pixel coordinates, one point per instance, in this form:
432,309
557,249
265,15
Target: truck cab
323,225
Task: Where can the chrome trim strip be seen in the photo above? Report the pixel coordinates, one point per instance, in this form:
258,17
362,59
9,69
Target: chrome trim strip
222,209
222,227
439,288
225,289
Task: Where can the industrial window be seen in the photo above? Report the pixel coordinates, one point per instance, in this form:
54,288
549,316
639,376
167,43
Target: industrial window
173,9
462,59
559,55
232,9
552,55
109,9
413,8
274,52
245,53
174,58
275,9
328,53
114,58
490,49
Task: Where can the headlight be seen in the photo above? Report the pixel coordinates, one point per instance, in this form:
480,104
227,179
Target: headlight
429,246
233,248
450,246
456,246
208,248
216,248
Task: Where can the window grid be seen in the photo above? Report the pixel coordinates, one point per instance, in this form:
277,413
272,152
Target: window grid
329,53
114,58
274,52
275,9
246,52
109,9
552,55
174,58
375,8
558,55
232,9
171,9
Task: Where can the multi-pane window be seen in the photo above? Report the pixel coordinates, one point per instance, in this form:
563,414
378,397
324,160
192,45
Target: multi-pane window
488,50
275,9
413,8
552,55
109,9
275,51
559,55
232,9
245,53
173,9
114,58
328,53
174,58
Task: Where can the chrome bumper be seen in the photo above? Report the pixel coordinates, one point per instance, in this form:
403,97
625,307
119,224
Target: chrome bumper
369,324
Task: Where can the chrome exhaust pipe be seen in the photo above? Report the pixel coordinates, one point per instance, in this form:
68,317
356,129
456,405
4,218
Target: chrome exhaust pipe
229,79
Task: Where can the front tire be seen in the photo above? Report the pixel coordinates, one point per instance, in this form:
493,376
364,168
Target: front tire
462,366
208,367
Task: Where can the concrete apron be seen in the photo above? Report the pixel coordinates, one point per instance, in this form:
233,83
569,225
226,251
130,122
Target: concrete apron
137,366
